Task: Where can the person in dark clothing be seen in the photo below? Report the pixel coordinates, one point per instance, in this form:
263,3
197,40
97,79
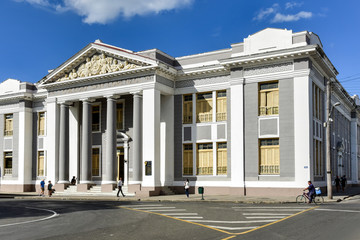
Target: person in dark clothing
311,191
343,181
73,181
337,183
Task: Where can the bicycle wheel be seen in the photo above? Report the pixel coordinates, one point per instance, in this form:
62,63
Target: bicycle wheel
318,200
300,199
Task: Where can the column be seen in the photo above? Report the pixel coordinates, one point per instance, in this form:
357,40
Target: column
108,173
137,139
354,149
64,144
85,173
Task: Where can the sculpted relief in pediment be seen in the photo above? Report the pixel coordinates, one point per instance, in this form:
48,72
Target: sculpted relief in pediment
97,65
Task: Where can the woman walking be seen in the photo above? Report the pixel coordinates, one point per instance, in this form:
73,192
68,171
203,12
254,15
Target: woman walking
187,186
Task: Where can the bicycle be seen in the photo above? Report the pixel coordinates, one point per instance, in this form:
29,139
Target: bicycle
303,198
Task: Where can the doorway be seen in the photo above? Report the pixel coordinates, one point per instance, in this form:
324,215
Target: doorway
120,160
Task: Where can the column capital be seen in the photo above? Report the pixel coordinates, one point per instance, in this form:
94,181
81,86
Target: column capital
137,93
65,103
88,99
112,96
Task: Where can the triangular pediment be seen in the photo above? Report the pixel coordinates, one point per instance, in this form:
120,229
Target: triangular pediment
97,60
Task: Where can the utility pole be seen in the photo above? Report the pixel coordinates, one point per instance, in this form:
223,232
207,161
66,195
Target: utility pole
328,145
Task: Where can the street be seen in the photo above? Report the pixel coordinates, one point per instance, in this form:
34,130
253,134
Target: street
53,219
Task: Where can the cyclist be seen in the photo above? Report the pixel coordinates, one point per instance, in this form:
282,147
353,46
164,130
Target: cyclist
311,191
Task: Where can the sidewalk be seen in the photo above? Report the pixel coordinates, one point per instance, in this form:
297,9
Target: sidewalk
337,197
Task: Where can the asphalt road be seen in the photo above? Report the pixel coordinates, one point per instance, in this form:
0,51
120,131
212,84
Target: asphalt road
45,219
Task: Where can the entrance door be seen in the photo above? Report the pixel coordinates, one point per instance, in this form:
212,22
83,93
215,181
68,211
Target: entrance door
120,159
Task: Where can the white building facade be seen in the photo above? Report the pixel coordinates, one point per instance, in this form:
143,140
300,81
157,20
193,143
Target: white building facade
248,120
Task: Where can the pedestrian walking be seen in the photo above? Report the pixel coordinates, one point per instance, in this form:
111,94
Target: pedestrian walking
50,189
42,187
187,186
343,182
120,184
337,183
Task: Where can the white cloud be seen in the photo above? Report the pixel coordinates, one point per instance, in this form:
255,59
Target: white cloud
276,15
290,18
263,13
290,5
104,11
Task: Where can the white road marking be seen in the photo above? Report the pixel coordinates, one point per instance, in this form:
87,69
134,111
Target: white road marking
268,207
167,210
233,228
180,214
274,210
152,208
187,217
215,221
266,214
337,210
264,217
148,205
37,220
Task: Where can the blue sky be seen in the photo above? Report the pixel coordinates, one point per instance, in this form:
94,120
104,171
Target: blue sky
38,35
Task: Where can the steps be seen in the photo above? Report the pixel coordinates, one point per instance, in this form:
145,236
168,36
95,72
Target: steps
166,191
93,191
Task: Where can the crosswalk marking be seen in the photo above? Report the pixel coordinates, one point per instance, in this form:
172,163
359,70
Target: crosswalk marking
274,210
232,222
267,214
167,210
264,217
179,214
152,208
269,207
233,228
188,217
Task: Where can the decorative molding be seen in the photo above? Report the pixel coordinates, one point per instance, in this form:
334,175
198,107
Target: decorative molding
98,64
282,67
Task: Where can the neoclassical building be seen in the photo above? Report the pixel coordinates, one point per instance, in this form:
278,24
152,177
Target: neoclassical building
247,120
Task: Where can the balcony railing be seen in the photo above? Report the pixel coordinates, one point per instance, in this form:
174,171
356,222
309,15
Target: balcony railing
188,171
204,170
221,170
269,110
269,169
221,116
41,172
187,119
8,132
7,171
95,127
204,117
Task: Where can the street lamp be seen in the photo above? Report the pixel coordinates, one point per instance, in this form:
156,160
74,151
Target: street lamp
329,120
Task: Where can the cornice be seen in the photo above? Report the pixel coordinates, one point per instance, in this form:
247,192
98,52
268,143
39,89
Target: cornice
86,80
16,97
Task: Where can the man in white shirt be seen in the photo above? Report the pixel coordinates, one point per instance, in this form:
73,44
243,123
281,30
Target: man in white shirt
120,184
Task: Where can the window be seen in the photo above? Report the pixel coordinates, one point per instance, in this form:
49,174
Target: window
96,161
317,98
8,125
204,107
318,164
204,163
269,99
221,106
119,116
187,109
41,164
221,167
41,124
269,157
7,163
188,159
96,118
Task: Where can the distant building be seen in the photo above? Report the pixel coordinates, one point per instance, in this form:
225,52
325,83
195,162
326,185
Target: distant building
248,119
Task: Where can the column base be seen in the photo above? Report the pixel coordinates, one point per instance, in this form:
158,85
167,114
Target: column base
106,188
60,187
84,187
